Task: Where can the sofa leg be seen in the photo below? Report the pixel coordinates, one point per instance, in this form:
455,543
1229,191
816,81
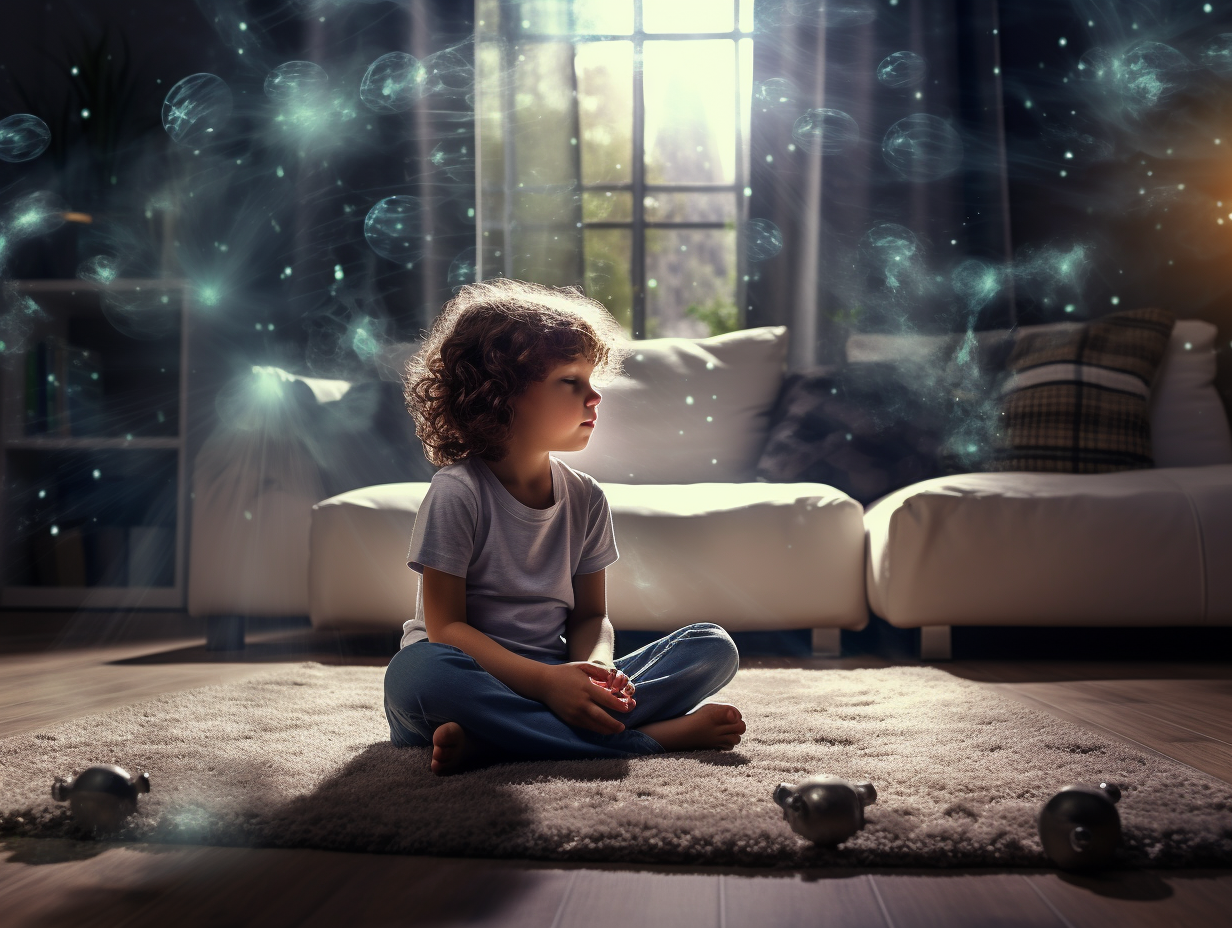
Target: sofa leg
224,633
935,643
827,642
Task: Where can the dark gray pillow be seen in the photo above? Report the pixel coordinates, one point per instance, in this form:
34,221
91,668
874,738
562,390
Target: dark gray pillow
859,429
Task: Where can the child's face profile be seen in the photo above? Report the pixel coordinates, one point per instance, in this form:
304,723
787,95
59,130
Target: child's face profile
557,413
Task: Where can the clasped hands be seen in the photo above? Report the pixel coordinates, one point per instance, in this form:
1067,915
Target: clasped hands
579,692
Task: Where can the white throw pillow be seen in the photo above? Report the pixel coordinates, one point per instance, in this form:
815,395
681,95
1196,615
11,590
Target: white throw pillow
687,410
1189,427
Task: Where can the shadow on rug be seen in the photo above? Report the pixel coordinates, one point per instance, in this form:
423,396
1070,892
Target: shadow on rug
300,757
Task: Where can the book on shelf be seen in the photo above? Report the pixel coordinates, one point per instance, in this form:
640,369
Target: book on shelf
59,559
83,556
64,390
70,558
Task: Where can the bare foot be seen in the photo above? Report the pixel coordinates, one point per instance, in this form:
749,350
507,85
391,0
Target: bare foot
452,751
713,726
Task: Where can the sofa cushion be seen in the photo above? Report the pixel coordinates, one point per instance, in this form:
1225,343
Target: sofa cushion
1076,401
747,556
1189,426
687,410
1144,547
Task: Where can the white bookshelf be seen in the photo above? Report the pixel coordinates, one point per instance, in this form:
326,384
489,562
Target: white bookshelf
42,566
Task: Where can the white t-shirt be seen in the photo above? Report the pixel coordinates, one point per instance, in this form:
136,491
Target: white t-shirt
518,562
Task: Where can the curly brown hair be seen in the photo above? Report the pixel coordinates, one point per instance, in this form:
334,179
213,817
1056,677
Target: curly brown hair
490,342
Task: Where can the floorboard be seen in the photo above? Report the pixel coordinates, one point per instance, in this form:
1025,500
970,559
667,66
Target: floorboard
1138,900
840,900
926,900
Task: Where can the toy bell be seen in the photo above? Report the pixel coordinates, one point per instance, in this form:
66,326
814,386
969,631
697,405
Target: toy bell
1079,826
825,809
102,796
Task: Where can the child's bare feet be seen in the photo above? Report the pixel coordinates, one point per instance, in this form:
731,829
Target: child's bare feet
452,751
714,726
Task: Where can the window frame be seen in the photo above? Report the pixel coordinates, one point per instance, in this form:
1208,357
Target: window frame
639,189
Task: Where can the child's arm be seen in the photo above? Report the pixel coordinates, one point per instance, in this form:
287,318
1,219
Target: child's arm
565,688
589,631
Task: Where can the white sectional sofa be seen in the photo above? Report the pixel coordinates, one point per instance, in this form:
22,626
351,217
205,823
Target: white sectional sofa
678,440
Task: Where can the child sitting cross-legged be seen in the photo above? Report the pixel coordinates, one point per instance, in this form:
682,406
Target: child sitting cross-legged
510,653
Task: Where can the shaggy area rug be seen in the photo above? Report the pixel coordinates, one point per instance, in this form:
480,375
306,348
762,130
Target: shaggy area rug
300,757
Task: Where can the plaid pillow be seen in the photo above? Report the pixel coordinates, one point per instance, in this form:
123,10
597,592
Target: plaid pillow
1077,400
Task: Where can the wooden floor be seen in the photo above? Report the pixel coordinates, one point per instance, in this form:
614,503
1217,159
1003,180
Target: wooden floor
1182,710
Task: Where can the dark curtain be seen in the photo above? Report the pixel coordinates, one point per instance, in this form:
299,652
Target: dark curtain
427,152
886,226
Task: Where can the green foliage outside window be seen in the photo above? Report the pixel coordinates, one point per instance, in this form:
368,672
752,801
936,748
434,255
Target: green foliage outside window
719,316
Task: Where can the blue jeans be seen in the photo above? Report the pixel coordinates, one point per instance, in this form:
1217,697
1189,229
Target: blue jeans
428,684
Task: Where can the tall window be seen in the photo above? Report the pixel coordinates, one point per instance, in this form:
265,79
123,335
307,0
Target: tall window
613,152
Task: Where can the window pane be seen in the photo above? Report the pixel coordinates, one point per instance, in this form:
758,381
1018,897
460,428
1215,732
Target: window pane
690,207
607,206
687,15
746,15
603,17
550,17
544,207
487,16
543,114
559,17
605,110
547,256
607,258
690,91
690,282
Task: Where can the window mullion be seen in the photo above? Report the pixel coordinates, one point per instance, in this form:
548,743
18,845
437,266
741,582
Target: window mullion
507,118
742,202
638,252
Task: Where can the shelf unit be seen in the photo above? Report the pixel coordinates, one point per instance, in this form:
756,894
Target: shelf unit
94,497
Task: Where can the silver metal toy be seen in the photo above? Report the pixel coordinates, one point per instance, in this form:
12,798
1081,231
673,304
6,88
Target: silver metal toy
102,796
1080,827
825,809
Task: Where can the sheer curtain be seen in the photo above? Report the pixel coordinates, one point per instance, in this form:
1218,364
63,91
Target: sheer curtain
878,155
529,172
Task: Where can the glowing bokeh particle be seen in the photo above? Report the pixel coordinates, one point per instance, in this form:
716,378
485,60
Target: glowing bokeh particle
773,92
763,240
392,228
23,138
892,249
295,80
35,214
828,131
1216,54
392,83
101,269
901,70
196,108
976,282
922,147
1152,72
462,268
